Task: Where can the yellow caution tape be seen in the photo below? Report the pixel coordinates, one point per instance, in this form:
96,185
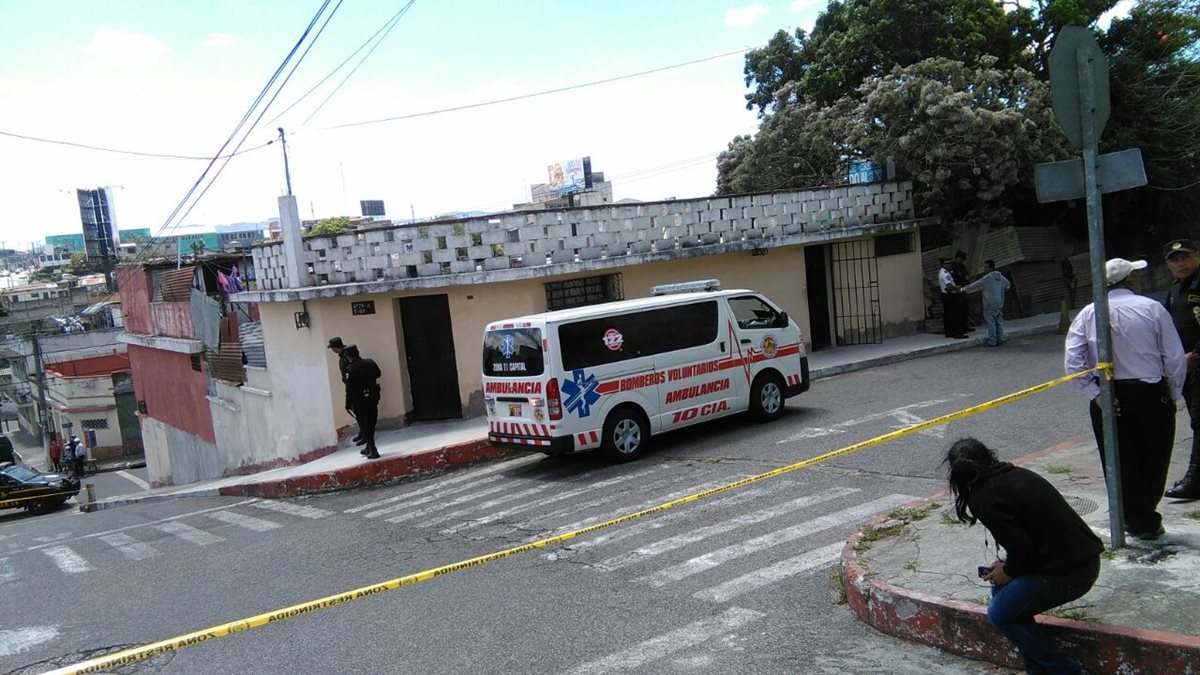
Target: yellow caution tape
134,654
5,503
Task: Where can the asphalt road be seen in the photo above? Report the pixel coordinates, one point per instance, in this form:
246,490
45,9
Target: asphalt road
737,583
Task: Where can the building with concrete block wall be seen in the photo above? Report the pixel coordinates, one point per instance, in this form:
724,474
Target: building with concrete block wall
416,299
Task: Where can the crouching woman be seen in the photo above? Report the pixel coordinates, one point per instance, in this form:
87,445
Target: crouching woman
1052,556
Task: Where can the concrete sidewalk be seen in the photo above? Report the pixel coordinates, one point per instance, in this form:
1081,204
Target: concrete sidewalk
435,446
911,574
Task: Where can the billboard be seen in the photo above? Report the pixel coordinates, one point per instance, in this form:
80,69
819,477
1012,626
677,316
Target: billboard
371,207
571,175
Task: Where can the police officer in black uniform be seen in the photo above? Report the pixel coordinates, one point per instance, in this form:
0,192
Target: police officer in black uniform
339,348
362,393
1183,302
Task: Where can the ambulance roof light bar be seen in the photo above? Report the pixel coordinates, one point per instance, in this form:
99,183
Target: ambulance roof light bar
687,287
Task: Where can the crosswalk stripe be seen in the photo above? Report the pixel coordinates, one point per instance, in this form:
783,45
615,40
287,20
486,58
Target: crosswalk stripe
485,505
701,533
440,485
67,560
453,502
664,645
722,555
131,547
665,519
7,573
310,512
188,533
569,494
248,522
400,506
630,509
806,562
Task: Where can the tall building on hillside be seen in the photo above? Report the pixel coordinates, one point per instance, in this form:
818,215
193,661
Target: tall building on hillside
101,238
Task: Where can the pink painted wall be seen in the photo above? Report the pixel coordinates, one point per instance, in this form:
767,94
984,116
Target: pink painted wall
174,393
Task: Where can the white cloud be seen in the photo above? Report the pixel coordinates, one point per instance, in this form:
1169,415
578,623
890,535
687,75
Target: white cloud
217,40
804,5
125,46
741,17
1119,11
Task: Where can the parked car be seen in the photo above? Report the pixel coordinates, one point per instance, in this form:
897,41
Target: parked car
6,450
23,488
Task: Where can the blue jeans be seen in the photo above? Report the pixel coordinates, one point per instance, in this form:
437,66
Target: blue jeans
994,318
1012,610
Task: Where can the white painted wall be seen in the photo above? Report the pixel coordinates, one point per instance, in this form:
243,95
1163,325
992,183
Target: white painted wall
175,457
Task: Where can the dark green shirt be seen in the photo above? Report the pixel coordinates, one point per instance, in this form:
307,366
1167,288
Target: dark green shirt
1183,302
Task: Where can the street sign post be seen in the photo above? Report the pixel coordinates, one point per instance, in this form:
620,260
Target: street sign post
1079,92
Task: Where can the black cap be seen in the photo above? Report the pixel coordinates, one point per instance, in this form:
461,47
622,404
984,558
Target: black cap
336,343
1179,246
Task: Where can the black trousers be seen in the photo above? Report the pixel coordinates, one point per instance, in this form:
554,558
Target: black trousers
367,414
954,313
1145,434
1191,396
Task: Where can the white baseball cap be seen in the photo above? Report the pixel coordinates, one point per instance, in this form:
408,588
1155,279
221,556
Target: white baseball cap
1117,269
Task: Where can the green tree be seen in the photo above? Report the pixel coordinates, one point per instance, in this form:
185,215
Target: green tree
330,226
967,134
1154,65
856,39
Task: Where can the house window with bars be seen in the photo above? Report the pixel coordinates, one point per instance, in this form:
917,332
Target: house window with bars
95,424
582,292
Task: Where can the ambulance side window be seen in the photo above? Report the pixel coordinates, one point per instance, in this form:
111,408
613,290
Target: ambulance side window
750,312
611,339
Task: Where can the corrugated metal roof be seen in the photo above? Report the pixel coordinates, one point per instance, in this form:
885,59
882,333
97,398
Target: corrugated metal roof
177,285
252,344
227,364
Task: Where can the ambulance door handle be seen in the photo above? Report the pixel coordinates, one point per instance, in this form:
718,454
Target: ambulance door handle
722,346
746,341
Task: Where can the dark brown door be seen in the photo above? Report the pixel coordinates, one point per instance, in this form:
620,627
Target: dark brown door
429,352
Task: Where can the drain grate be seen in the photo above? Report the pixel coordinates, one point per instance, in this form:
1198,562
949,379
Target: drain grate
1082,505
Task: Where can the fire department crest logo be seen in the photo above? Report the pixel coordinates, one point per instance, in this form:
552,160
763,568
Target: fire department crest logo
769,345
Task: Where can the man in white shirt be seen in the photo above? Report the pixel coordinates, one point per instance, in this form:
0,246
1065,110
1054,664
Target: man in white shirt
954,308
1149,368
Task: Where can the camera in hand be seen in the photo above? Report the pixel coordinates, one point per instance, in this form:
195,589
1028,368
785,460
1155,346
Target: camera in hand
983,570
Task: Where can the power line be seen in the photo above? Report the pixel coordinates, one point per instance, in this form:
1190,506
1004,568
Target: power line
136,153
540,93
390,22
167,226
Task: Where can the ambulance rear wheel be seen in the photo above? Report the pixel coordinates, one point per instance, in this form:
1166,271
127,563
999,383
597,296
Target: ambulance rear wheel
626,434
766,397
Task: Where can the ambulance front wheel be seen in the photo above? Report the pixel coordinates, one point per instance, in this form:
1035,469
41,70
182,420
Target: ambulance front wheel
766,397
626,434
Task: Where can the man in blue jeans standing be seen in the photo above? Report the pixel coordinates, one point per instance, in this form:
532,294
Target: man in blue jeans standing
1051,556
992,285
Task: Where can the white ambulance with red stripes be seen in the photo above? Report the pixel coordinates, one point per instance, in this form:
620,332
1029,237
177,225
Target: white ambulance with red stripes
609,376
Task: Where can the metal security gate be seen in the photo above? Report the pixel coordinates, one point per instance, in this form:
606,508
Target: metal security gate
854,280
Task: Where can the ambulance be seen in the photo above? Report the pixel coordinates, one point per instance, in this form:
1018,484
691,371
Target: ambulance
607,377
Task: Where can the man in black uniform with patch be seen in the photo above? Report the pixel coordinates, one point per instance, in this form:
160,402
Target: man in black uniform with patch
362,393
1183,302
339,348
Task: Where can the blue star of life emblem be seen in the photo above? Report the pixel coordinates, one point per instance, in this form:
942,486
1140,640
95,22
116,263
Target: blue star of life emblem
581,393
508,347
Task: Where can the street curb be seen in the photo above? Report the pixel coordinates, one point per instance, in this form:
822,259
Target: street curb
126,500
962,628
952,346
370,472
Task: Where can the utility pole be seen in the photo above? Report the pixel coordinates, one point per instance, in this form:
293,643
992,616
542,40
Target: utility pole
43,414
287,173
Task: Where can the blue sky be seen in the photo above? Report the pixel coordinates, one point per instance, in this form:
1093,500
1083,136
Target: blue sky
174,77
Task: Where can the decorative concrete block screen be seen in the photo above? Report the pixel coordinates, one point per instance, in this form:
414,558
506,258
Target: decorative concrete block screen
538,238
